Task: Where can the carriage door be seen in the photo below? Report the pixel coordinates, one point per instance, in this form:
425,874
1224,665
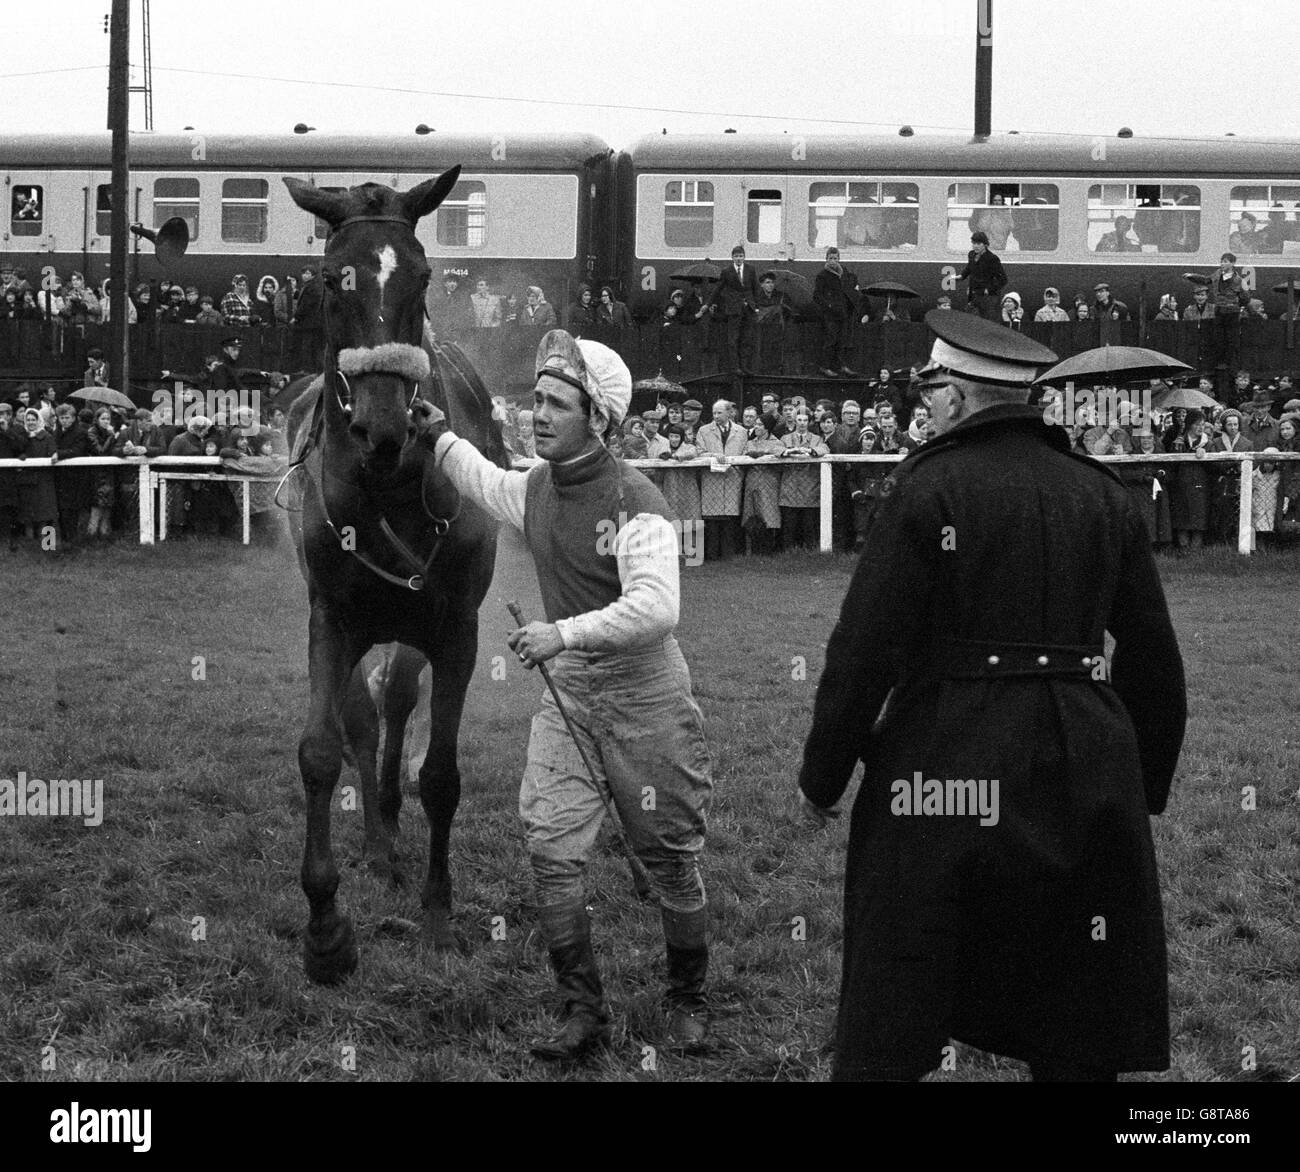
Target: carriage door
768,233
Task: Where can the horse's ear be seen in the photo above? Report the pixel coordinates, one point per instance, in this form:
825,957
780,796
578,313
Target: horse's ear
326,204
424,197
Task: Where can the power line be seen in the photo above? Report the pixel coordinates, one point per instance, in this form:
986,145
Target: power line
44,72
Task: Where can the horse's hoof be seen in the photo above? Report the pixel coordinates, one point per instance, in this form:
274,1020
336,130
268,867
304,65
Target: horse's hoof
436,933
333,960
385,866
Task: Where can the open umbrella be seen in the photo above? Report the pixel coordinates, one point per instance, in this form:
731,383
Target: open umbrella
104,395
890,289
1109,364
698,273
660,387
796,287
1188,397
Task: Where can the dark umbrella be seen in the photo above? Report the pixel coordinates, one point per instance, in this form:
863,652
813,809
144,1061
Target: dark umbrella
890,289
1188,397
795,286
698,273
104,395
1108,364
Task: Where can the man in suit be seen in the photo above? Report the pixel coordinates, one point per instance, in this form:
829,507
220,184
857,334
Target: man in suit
487,308
720,492
736,292
835,293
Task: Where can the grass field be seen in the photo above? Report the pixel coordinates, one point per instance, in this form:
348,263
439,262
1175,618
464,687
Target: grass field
102,977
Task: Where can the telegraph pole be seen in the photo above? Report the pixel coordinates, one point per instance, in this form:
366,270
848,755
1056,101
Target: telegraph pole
983,69
119,122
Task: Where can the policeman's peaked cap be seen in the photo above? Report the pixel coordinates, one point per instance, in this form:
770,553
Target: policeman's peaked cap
981,350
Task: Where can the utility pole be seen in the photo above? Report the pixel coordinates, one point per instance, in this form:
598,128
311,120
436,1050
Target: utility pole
983,69
119,120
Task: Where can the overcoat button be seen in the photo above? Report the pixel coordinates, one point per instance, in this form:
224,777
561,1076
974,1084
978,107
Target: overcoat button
1087,662
1042,661
994,661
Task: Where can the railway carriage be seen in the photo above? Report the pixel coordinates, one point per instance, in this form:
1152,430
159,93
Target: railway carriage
1062,211
529,208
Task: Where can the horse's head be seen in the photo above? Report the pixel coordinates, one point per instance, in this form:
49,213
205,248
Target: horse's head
374,277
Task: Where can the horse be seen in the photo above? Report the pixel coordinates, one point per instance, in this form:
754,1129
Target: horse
390,551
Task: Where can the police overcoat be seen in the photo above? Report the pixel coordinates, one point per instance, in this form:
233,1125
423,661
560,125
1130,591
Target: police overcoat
995,565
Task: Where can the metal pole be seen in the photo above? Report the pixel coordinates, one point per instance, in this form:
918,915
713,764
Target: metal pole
119,119
983,68
1245,511
1290,313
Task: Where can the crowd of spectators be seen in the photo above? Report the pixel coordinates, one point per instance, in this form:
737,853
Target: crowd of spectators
63,507
774,502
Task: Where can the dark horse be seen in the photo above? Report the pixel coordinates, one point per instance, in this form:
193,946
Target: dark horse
389,550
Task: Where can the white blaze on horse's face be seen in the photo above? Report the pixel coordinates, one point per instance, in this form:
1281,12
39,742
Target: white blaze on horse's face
387,267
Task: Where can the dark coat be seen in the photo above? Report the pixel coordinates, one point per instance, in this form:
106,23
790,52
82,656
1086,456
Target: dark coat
38,500
1154,506
836,295
985,272
13,442
74,484
1189,487
225,376
985,933
735,295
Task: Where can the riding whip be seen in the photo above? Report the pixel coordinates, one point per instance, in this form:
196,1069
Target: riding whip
640,880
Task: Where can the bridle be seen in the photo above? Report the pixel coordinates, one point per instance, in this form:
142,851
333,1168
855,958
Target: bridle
420,567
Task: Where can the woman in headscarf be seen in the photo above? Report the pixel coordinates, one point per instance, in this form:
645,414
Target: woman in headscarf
1288,489
1012,311
1168,310
538,312
264,301
72,485
38,502
580,317
1226,501
760,510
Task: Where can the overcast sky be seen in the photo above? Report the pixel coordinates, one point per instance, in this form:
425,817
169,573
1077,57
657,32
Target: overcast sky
620,69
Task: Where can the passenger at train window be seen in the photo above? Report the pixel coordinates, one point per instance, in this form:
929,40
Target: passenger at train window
1051,308
1246,240
1122,239
1105,306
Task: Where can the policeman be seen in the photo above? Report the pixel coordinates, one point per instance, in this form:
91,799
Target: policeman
1001,886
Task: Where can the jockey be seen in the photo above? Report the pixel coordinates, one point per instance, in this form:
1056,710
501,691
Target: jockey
611,609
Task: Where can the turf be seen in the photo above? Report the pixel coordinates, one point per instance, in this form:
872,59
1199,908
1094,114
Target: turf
164,944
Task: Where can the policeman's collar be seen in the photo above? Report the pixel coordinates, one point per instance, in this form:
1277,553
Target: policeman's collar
1009,415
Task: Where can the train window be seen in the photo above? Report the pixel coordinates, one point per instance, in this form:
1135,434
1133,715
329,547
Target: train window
176,196
1016,217
688,213
462,217
763,216
1264,219
27,215
1144,217
104,210
322,228
863,214
244,207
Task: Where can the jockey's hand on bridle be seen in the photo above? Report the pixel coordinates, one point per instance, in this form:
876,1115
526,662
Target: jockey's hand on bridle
430,422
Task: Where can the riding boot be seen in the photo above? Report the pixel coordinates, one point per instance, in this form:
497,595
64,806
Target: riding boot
584,1024
686,935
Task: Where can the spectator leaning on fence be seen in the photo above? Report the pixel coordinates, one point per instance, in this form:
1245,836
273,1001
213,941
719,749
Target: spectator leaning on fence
801,487
761,511
720,492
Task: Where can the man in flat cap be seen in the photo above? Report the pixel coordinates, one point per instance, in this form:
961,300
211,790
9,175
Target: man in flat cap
1001,885
611,608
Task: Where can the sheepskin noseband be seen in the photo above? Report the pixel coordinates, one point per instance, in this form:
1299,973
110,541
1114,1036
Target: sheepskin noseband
399,358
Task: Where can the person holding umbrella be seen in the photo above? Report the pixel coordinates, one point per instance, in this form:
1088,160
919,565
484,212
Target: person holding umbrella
1022,917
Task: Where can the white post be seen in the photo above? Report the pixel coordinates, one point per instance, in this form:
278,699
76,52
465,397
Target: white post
145,491
827,533
162,508
246,510
1245,515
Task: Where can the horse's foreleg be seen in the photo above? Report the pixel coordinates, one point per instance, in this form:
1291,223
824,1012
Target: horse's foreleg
329,950
452,666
